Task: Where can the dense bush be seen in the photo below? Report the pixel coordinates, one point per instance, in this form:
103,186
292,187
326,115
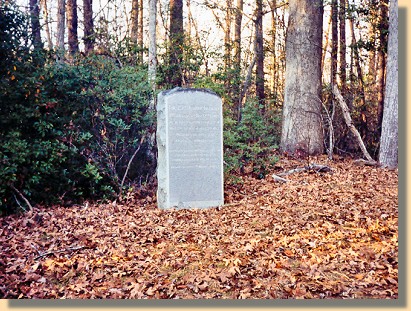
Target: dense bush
67,131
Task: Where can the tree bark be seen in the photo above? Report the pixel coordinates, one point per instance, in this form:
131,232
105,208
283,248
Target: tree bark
237,55
140,31
381,61
389,135
334,41
47,25
152,47
302,129
72,24
89,38
343,48
61,24
176,42
259,51
134,21
35,24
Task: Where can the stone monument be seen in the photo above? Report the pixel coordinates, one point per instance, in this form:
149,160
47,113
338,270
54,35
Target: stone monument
190,149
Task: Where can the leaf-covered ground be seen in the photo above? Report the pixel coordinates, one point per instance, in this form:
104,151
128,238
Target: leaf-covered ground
320,235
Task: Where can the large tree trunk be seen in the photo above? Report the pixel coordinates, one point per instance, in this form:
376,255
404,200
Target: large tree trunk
389,135
35,24
89,38
302,129
61,24
176,42
72,24
259,50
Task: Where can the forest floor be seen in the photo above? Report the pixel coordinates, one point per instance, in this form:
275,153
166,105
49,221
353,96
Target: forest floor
319,235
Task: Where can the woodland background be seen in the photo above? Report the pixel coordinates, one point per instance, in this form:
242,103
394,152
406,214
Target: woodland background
79,78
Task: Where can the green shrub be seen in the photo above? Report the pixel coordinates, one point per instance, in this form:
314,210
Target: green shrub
67,131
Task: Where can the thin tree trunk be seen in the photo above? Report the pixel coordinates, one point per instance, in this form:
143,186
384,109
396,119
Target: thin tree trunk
47,25
334,41
259,51
141,31
152,47
227,36
389,135
35,24
72,24
326,43
343,48
89,38
134,21
381,60
237,55
273,75
176,42
61,25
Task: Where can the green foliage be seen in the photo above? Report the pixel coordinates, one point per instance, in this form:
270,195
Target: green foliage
251,142
67,131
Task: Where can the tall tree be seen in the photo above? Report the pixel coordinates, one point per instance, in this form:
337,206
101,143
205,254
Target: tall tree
134,21
343,47
47,24
72,25
237,54
259,50
176,42
140,30
35,24
302,128
152,46
389,136
334,41
381,59
61,24
89,37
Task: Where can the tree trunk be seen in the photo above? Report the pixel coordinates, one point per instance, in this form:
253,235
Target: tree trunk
47,25
61,24
152,46
237,55
343,48
381,61
259,51
140,31
134,21
334,41
227,36
72,24
176,42
301,129
389,136
35,24
273,71
89,38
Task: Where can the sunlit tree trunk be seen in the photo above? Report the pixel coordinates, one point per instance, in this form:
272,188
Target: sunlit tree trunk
152,46
302,129
89,38
35,24
61,24
72,24
176,42
47,24
389,134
